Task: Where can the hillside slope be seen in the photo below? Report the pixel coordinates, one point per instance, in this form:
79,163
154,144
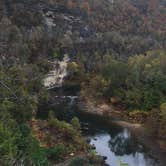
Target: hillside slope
120,27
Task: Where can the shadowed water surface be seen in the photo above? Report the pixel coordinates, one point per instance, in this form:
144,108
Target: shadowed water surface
114,142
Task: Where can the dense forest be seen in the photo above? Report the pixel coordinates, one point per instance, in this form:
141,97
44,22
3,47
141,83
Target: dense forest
117,52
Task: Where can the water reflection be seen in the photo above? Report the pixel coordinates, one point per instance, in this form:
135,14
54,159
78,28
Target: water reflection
123,143
122,147
114,142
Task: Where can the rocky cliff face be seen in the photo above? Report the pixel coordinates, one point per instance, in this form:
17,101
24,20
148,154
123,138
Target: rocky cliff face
56,76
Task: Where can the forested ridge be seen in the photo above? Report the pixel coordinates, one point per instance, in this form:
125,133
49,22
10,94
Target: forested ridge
117,52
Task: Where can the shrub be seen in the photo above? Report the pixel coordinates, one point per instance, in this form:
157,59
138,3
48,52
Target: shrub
163,111
39,157
162,125
56,54
138,116
76,124
52,121
137,112
92,154
79,161
94,158
56,152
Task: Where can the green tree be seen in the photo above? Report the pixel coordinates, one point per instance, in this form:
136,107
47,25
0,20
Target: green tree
76,124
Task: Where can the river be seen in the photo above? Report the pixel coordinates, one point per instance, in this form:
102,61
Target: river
117,143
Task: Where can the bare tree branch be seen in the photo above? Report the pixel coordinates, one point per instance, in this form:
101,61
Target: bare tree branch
4,85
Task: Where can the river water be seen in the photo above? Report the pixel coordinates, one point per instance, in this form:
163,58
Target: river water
114,142
110,140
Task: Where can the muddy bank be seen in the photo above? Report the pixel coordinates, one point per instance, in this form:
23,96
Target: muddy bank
137,129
